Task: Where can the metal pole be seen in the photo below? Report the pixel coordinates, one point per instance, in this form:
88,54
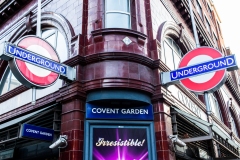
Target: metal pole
193,24
38,33
208,108
39,18
33,95
207,103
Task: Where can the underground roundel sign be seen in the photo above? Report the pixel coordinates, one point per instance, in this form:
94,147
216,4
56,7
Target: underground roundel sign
31,74
201,70
205,82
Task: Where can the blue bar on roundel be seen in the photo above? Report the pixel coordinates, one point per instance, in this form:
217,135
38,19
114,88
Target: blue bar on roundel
203,68
36,59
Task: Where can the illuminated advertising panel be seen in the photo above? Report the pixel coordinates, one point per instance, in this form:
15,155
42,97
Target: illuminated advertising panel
120,143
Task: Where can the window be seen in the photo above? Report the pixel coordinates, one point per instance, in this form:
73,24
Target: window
199,9
8,82
215,40
172,53
208,26
56,39
233,124
210,11
215,107
117,14
219,29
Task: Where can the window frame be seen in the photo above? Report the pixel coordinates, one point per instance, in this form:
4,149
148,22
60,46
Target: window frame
234,127
210,11
211,96
89,124
56,32
174,52
119,12
215,39
7,75
199,9
208,25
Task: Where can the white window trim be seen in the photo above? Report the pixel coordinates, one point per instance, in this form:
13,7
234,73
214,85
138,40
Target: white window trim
199,2
209,7
215,35
207,21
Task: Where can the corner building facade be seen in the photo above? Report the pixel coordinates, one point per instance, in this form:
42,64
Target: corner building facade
116,108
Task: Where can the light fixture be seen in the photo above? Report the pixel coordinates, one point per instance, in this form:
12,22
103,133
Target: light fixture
175,140
60,143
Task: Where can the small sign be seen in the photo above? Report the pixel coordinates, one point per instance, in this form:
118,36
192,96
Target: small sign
35,132
102,112
201,70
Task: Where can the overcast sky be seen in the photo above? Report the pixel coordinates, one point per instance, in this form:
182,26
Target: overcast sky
229,13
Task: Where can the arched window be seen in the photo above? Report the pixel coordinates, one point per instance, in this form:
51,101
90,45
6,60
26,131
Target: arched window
215,107
56,39
171,54
117,14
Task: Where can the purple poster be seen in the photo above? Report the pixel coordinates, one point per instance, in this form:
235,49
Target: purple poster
120,144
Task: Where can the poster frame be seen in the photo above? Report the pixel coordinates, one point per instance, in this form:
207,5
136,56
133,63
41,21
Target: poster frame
90,124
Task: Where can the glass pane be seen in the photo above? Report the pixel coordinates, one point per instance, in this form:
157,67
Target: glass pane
14,82
61,47
5,85
169,40
234,125
47,33
9,83
163,57
52,40
116,20
199,9
176,48
214,106
176,60
169,56
117,5
57,40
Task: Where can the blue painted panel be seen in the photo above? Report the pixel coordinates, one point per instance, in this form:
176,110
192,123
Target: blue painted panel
35,132
103,112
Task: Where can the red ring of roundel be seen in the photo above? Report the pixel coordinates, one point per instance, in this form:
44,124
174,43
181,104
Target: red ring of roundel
42,81
208,85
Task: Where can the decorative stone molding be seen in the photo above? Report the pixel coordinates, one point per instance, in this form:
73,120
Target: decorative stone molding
175,31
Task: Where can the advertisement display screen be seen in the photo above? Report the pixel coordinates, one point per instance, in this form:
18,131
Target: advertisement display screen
118,143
